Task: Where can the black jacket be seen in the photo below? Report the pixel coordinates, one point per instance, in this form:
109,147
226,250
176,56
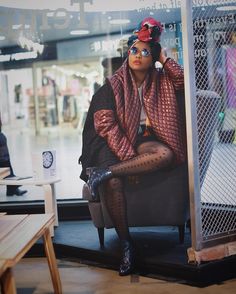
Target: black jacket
91,141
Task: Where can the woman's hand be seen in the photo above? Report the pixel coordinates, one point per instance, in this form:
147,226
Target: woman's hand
163,56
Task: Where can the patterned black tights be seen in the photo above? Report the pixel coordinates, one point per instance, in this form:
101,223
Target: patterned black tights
116,205
152,156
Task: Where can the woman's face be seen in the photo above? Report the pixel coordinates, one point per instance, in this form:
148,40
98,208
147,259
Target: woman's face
140,58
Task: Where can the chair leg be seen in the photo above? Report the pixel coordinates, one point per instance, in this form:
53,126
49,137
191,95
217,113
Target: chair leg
188,225
181,229
101,236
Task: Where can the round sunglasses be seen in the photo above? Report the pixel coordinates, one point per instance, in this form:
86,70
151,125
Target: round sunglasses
144,52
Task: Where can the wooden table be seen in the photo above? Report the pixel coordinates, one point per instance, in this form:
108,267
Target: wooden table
48,185
18,233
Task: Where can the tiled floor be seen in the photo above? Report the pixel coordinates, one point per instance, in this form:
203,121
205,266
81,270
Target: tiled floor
32,277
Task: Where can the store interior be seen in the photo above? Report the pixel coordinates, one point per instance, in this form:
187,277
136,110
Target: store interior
63,95
44,102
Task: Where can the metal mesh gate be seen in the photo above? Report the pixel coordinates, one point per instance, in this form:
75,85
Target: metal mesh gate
214,45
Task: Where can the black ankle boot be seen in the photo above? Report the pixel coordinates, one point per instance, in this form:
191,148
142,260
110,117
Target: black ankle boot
96,176
127,261
15,191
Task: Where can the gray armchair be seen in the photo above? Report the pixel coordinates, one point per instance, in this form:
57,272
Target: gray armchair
162,198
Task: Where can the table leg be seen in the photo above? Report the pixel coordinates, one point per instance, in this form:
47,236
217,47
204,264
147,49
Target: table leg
8,285
50,205
54,203
52,263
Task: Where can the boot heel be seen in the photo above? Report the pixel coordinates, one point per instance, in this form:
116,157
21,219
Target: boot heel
127,261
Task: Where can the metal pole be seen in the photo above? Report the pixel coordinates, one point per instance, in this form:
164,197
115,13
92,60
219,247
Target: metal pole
36,103
191,124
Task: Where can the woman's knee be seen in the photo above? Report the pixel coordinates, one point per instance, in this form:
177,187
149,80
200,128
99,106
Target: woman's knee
166,153
154,147
158,148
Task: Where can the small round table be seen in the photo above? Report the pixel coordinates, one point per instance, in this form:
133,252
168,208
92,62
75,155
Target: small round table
48,185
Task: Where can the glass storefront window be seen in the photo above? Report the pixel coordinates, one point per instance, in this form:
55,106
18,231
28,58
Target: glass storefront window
63,93
55,55
53,58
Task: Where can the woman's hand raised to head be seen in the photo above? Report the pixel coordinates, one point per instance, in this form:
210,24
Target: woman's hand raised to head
163,56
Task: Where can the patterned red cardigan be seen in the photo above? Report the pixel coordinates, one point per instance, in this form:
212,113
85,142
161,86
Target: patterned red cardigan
114,113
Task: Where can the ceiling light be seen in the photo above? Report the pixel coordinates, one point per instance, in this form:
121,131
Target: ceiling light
119,21
16,26
56,13
50,14
2,38
79,32
226,8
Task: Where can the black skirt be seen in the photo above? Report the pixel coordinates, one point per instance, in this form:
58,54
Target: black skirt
105,157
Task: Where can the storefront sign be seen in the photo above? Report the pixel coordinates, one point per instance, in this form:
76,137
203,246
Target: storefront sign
99,46
18,56
46,19
13,57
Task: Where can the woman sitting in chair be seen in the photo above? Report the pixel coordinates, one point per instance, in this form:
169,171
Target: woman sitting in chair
133,127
